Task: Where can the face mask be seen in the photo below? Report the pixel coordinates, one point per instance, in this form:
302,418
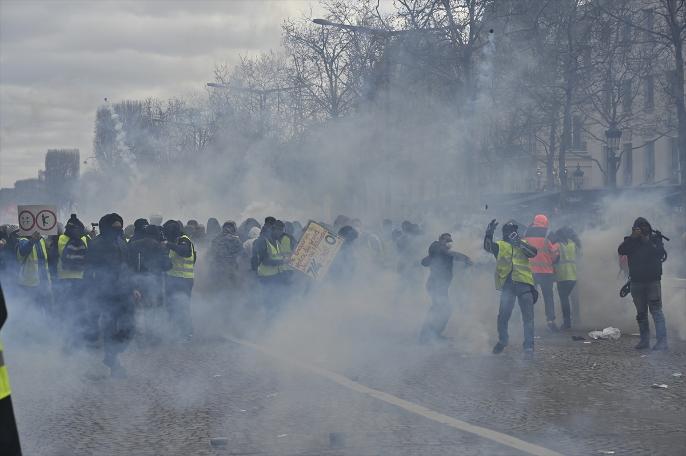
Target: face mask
448,245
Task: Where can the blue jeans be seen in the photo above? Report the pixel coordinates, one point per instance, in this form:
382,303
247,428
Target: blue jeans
523,294
648,296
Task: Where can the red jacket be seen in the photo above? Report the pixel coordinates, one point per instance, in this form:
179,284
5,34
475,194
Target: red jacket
548,253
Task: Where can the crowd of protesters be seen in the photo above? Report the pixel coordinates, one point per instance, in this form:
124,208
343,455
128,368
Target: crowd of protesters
96,281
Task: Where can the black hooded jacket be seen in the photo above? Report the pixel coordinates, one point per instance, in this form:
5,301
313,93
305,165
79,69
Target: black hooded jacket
106,260
645,257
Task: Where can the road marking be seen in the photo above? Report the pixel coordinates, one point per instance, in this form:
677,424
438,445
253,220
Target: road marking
499,437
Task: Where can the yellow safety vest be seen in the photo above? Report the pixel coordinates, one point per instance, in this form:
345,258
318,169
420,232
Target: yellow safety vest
29,270
4,376
285,248
182,267
274,251
63,273
565,269
511,260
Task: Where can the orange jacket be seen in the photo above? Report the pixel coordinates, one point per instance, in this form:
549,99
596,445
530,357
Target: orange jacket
548,253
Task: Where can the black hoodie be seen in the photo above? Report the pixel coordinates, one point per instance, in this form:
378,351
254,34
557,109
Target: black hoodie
645,256
106,259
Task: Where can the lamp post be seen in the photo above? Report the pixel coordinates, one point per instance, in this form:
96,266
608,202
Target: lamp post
613,135
539,176
578,178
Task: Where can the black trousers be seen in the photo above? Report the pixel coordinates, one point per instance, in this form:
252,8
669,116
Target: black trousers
9,437
439,313
564,289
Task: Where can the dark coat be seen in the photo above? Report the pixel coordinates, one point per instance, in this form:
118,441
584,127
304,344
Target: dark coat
645,258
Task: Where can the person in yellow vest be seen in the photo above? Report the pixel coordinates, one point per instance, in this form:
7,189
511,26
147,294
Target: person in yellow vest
69,287
179,279
34,273
273,271
515,281
9,437
565,270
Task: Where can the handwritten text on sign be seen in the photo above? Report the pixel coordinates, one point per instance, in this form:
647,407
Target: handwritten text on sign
315,251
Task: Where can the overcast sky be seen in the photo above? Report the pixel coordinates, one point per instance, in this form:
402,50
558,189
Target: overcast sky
59,59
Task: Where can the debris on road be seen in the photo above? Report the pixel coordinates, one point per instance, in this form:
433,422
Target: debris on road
659,386
606,452
217,375
281,435
587,342
607,333
219,442
578,338
677,374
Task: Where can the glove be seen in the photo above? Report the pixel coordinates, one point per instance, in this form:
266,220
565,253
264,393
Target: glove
490,229
514,239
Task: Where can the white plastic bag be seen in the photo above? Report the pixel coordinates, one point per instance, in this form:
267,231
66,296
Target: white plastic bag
607,333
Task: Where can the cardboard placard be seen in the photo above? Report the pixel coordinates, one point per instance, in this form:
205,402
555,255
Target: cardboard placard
316,251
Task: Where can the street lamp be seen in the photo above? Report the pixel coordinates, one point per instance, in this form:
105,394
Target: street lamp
613,135
539,177
578,178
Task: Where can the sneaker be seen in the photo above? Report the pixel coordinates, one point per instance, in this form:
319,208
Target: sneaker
498,348
552,327
642,345
566,325
529,353
660,345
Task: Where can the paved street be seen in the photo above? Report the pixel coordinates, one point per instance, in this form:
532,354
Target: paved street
575,398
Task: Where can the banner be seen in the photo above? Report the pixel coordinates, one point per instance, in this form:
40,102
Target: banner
37,218
316,251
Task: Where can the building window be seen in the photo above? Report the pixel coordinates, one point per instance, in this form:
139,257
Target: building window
626,96
649,162
676,162
649,93
577,133
628,160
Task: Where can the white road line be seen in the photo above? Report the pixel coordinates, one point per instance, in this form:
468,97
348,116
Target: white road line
341,380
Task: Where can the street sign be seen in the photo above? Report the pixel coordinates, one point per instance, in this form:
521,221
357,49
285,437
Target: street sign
315,251
39,218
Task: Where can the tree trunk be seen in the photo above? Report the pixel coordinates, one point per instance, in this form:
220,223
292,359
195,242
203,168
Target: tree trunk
566,140
550,158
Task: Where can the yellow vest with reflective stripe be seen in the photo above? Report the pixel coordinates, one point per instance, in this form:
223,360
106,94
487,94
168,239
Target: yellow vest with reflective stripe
285,248
4,376
274,252
565,269
29,268
183,267
511,260
63,273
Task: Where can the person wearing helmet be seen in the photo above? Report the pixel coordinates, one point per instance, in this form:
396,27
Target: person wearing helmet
440,260
543,264
646,253
515,281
